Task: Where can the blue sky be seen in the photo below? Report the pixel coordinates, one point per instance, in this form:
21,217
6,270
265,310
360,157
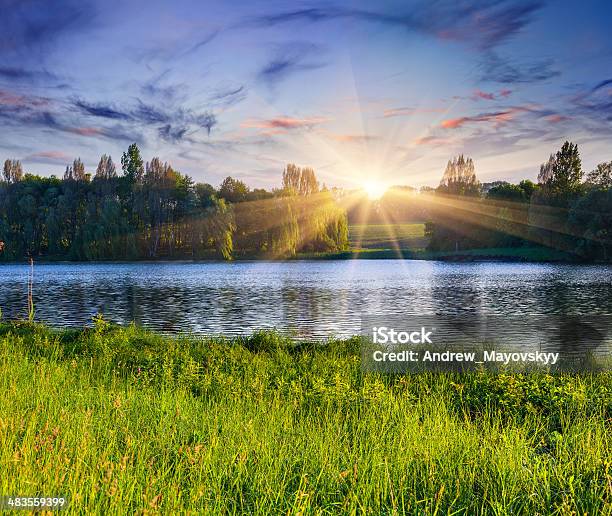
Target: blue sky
357,90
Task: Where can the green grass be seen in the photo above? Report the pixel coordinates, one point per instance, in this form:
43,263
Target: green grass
388,236
126,421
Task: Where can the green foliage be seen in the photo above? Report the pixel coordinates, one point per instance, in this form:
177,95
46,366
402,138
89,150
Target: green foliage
154,211
601,177
122,420
132,164
562,174
233,190
559,213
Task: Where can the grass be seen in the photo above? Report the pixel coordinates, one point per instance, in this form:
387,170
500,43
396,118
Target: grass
126,421
388,236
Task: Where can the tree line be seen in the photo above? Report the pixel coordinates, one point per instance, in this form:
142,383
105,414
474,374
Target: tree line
152,211
565,210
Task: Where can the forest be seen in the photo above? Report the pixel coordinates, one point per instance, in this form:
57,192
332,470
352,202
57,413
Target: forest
151,211
566,210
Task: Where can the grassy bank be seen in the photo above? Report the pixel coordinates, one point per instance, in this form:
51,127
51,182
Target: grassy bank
407,236
124,421
502,254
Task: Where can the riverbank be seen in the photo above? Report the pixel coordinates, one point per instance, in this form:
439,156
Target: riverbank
123,420
498,254
509,254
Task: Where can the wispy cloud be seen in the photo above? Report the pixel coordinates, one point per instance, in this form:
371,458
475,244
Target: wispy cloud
15,73
496,117
290,59
31,27
494,68
490,95
101,110
228,96
596,101
282,124
482,24
432,140
409,111
52,157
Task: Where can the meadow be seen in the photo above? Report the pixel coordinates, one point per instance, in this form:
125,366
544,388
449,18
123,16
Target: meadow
122,420
405,236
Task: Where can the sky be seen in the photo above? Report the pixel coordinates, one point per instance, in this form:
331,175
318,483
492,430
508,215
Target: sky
382,91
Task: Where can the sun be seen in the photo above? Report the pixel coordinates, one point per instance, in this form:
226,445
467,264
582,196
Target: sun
374,189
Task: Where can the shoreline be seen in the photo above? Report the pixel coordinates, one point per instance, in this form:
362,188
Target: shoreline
489,255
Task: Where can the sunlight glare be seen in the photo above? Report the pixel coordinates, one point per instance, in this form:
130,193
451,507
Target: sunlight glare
374,189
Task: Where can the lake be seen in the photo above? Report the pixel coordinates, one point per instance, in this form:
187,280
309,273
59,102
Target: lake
310,298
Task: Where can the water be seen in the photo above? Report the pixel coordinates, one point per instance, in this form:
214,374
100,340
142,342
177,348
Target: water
309,298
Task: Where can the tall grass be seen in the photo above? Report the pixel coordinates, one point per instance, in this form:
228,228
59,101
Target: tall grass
126,421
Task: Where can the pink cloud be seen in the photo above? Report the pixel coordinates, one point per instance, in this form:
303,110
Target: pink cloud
86,131
485,95
555,119
495,117
282,123
478,94
49,155
8,98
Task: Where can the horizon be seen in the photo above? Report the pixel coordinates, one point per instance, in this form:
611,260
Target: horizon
359,94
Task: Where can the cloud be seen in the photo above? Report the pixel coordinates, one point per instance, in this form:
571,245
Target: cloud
169,93
101,110
172,134
17,110
493,68
15,100
478,95
556,118
290,59
432,140
229,96
408,111
497,117
595,102
19,74
52,157
480,23
283,123
32,27
170,125
149,114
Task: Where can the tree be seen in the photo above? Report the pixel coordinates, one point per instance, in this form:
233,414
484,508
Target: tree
301,181
601,177
521,192
460,178
13,172
106,168
233,190
562,173
76,171
132,164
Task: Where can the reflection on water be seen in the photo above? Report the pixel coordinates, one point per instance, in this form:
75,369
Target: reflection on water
310,298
